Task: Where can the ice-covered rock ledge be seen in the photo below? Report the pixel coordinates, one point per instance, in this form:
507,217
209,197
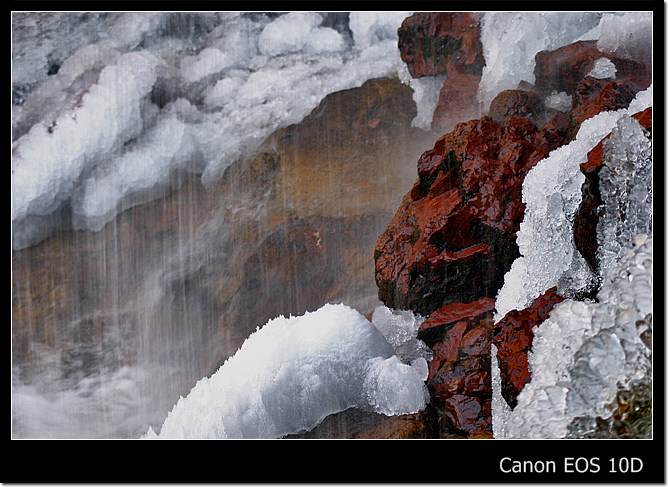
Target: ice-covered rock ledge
583,353
586,351
293,372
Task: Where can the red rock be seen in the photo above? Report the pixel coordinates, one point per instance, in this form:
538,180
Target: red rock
514,339
515,103
564,68
457,101
470,415
594,96
454,312
459,335
429,41
453,237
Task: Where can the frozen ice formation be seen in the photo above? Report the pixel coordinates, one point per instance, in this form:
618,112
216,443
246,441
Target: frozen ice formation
552,192
292,373
603,69
625,34
585,351
582,353
625,182
628,35
224,76
215,93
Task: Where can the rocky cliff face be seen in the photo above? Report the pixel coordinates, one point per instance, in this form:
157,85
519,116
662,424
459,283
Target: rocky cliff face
453,237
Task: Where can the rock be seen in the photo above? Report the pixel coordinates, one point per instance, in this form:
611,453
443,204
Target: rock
513,338
457,101
594,96
180,282
515,103
453,236
459,373
357,424
429,41
564,68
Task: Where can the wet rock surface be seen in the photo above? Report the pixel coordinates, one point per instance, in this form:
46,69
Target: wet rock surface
513,337
430,41
288,228
452,239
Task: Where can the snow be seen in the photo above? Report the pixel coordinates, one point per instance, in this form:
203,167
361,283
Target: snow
293,372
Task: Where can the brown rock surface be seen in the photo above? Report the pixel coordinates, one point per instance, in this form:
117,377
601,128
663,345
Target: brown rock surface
429,41
183,280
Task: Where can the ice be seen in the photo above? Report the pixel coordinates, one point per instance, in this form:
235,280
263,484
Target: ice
47,162
229,90
299,31
293,372
559,101
603,69
511,41
582,353
400,328
552,192
628,35
209,61
585,350
110,190
371,28
626,190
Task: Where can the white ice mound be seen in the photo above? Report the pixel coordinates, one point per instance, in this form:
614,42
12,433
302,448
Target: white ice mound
292,373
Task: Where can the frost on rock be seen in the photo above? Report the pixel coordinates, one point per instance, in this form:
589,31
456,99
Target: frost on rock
292,373
585,352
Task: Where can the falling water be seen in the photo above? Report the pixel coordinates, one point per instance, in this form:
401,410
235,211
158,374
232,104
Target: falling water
118,312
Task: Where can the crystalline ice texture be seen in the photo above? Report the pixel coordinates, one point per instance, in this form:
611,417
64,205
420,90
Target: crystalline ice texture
291,373
582,352
400,327
603,69
552,192
585,350
626,190
222,97
627,35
